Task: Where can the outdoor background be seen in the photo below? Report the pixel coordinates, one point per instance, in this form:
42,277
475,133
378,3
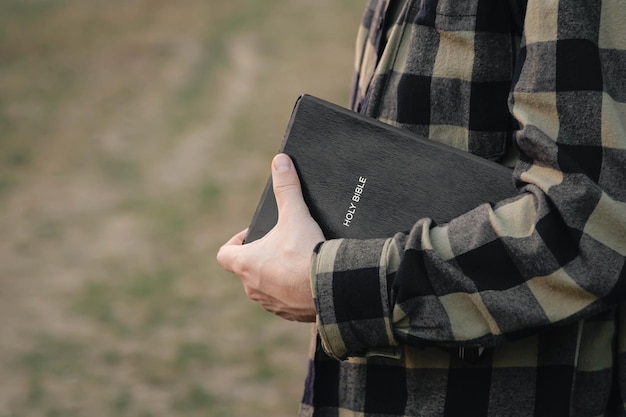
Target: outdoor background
135,138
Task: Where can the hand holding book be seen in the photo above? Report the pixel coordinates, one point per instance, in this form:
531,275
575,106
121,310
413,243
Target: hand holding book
347,176
275,269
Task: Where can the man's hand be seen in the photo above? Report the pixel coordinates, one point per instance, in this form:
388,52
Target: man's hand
275,269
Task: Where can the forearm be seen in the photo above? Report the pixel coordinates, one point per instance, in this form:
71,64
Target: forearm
462,284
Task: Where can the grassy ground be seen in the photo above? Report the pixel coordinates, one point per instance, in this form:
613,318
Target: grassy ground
135,138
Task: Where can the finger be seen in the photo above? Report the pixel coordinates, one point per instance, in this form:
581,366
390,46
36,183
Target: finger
286,185
237,239
227,253
226,257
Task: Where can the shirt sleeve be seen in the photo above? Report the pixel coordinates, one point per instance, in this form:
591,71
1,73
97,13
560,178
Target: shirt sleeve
553,254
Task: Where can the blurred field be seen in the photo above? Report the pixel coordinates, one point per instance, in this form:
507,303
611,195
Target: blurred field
135,138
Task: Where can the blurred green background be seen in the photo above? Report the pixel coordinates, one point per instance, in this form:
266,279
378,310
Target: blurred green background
135,138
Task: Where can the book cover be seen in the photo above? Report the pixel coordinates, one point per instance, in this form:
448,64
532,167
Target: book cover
362,178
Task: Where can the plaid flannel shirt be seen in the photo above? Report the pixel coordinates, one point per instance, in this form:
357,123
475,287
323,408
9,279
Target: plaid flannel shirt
515,308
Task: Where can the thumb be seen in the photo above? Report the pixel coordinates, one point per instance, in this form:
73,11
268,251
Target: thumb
286,185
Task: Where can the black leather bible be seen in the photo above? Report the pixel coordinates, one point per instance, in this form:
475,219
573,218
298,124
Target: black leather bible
362,178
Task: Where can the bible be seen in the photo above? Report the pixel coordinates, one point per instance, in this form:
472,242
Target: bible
362,178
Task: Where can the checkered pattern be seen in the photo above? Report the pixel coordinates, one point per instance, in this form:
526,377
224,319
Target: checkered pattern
518,307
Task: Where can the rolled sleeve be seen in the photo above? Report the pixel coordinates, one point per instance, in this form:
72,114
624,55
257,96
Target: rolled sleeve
351,292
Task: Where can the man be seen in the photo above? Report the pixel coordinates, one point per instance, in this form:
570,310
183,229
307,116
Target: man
514,308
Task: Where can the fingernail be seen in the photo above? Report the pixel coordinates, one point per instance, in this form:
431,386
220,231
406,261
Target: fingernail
282,163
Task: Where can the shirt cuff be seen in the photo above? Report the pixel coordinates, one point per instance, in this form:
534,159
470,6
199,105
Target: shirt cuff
351,289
